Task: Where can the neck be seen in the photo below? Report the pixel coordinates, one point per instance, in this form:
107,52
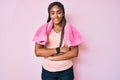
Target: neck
57,27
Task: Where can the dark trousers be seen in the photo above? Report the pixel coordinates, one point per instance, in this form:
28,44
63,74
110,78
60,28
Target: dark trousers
60,75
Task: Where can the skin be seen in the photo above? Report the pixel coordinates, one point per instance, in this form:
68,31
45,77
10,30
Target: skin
56,16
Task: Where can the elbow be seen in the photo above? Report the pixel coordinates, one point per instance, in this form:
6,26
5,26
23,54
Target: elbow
75,51
76,55
37,54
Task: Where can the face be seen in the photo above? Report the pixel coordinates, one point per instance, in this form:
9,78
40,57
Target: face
56,15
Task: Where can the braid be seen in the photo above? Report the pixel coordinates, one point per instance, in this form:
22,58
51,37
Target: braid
62,33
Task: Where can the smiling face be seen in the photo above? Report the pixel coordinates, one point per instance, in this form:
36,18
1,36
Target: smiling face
56,15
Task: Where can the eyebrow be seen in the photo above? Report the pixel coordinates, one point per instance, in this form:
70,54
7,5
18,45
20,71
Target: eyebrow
56,11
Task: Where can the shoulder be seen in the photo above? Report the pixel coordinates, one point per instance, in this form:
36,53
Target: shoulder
69,26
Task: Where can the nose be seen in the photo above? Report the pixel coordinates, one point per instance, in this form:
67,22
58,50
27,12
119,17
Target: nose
56,15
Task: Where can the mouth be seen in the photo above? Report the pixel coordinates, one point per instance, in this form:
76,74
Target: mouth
56,19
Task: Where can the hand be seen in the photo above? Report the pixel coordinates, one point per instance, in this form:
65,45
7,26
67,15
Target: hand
52,58
64,49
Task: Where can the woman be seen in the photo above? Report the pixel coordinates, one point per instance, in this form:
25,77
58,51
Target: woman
57,41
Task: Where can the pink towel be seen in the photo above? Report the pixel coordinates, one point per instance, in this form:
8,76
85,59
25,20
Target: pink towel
71,35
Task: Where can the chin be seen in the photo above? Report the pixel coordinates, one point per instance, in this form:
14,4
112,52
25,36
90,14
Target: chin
56,23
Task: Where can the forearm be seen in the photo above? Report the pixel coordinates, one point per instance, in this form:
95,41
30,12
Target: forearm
68,55
45,52
41,51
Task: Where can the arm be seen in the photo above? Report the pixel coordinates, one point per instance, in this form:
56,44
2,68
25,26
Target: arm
42,51
68,55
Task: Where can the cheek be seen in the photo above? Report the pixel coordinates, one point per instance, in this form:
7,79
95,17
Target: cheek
51,16
60,16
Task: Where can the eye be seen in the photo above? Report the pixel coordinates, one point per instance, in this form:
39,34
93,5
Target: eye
52,13
59,12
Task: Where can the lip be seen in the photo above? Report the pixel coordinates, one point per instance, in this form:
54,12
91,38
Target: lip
56,19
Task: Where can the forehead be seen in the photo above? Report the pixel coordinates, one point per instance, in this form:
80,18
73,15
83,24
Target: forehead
55,8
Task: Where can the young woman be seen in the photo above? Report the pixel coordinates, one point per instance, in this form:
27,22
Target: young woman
57,42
